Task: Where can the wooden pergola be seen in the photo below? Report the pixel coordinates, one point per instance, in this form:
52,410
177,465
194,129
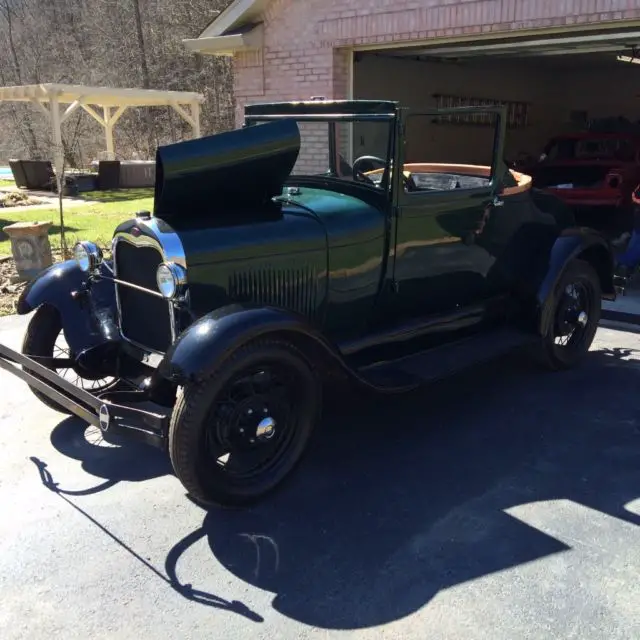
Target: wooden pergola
104,104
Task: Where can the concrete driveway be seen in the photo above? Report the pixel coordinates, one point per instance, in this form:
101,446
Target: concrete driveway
502,504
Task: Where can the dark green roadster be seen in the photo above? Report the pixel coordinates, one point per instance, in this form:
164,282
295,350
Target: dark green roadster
274,262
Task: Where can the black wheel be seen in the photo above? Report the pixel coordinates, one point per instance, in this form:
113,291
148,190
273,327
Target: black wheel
235,436
576,314
45,339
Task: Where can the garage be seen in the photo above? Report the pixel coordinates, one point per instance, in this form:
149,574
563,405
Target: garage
553,87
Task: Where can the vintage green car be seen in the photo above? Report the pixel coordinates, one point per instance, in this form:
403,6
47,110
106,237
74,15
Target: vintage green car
213,327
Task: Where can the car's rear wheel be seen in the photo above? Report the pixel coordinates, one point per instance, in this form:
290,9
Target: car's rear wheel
237,435
576,314
44,338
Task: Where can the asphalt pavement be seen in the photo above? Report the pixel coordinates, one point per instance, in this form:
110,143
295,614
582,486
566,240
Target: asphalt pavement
501,504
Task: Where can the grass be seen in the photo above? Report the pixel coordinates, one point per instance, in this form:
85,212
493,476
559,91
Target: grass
118,195
95,222
7,183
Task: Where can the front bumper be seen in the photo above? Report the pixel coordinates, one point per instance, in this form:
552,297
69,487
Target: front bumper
126,414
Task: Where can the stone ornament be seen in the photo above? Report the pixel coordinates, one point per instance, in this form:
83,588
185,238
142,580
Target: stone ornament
30,247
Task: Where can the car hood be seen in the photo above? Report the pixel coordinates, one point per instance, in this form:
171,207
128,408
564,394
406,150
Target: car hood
229,172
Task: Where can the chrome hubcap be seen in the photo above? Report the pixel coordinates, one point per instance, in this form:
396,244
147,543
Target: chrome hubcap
266,429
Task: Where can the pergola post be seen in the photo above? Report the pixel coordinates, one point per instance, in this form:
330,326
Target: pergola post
108,132
56,131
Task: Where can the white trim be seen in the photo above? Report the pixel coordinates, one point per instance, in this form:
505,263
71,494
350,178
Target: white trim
227,45
519,34
545,46
234,15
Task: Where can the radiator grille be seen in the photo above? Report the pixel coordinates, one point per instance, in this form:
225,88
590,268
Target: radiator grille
144,318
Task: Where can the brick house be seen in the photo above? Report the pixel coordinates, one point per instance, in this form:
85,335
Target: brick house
547,59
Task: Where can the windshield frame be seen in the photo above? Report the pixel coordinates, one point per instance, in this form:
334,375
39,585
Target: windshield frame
331,119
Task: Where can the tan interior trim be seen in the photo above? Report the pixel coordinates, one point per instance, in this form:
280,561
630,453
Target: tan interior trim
524,181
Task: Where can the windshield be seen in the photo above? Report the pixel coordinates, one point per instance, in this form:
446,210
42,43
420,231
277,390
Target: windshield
594,148
343,150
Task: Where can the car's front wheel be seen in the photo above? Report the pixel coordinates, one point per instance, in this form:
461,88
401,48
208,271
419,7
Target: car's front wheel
576,315
238,434
45,339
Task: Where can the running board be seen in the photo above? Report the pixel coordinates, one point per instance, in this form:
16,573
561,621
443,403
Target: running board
441,362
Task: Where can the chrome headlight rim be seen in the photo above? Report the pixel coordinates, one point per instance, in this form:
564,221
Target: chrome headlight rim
88,256
171,279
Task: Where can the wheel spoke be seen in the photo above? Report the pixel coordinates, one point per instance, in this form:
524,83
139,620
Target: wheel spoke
63,363
572,319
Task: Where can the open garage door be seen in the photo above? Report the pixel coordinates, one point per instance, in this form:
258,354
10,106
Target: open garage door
573,101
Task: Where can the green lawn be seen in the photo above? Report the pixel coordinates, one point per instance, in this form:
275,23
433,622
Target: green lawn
94,222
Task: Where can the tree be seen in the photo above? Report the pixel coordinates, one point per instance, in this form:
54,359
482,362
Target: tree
135,43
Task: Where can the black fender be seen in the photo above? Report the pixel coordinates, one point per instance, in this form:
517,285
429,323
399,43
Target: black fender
87,312
577,243
204,344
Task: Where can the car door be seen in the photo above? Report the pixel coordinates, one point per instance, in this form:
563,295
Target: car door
438,265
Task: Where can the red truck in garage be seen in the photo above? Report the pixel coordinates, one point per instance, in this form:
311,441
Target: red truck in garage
593,172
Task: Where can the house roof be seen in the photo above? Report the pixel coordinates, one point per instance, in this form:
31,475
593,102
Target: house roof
237,28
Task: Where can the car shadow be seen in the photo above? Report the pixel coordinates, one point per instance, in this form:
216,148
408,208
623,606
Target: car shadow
112,460
400,498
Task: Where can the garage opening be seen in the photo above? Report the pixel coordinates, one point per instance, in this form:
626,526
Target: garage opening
573,111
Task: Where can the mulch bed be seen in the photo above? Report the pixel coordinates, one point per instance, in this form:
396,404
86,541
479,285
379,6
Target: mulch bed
10,290
17,199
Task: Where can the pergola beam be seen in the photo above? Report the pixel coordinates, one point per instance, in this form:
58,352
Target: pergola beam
71,109
192,119
98,118
117,115
41,107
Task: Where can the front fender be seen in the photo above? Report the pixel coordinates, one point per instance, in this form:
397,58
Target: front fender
199,349
88,319
53,284
571,244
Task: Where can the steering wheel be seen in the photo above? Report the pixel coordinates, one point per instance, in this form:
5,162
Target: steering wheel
358,174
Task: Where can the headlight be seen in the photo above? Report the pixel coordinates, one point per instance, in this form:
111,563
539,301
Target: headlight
171,279
88,255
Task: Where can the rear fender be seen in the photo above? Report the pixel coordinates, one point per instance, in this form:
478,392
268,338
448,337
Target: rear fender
571,244
87,310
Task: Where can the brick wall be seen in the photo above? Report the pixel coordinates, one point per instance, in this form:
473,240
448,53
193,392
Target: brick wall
306,41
